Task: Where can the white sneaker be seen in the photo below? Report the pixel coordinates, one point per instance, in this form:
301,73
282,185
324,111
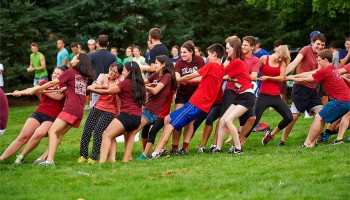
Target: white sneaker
201,150
47,163
19,160
38,161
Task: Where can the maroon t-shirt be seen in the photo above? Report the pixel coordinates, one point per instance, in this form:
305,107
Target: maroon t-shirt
48,106
308,63
237,70
4,108
333,82
183,68
128,104
75,95
155,102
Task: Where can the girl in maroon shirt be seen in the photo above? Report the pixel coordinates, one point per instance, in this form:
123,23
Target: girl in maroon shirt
75,80
132,95
39,123
273,71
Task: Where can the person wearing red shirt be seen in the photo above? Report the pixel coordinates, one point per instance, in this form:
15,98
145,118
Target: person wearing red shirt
304,94
132,95
338,91
202,100
101,115
239,94
40,121
272,72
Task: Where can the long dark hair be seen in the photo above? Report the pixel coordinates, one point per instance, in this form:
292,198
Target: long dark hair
118,65
169,68
138,85
84,66
237,49
190,47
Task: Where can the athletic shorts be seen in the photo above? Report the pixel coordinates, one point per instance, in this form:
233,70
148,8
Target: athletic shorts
246,99
183,116
41,117
71,119
130,122
334,110
150,117
304,99
181,99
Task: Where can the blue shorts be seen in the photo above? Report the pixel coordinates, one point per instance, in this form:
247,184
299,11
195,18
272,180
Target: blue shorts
37,80
334,110
150,117
184,115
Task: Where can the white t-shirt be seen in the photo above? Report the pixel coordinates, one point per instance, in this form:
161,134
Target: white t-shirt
1,78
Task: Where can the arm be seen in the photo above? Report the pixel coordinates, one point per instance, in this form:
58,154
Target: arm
346,58
307,78
346,78
342,71
155,90
30,68
43,87
147,68
56,96
294,64
110,90
188,77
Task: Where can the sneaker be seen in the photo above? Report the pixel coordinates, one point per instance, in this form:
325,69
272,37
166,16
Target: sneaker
183,151
154,155
212,149
165,153
47,163
141,157
280,144
174,152
325,136
91,161
234,150
87,107
337,142
217,151
267,138
38,161
81,159
347,140
19,160
201,149
303,146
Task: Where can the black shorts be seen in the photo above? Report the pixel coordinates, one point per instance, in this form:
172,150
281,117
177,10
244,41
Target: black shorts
246,99
305,98
130,122
181,99
244,118
41,117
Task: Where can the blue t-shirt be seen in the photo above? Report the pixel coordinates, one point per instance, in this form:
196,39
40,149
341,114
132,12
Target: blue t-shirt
342,54
260,53
62,54
101,60
147,57
174,60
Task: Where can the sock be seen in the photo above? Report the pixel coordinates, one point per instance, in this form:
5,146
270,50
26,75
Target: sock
185,145
174,147
329,132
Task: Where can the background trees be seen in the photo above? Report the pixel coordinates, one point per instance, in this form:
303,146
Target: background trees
127,23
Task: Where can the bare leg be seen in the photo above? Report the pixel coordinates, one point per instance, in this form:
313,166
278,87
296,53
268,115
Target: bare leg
246,129
112,151
237,112
314,131
27,131
168,129
206,134
176,134
129,144
288,129
56,132
344,125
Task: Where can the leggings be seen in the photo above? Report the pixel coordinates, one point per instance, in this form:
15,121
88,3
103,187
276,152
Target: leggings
264,101
210,117
97,121
152,134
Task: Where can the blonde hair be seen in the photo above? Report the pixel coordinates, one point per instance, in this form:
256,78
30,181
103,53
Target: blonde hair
284,53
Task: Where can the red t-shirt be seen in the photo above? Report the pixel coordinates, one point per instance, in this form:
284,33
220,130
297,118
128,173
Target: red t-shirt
105,102
270,87
218,99
347,68
237,70
75,95
48,106
308,63
183,68
167,104
333,82
209,87
155,102
128,104
252,64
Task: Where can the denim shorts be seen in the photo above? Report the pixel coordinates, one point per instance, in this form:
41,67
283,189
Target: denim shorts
183,116
150,117
334,110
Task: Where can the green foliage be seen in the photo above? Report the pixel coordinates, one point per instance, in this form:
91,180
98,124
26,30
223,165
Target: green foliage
262,172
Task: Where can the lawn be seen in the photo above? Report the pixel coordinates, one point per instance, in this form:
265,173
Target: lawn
261,172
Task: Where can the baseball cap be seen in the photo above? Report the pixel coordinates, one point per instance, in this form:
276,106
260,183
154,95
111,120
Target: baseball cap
313,33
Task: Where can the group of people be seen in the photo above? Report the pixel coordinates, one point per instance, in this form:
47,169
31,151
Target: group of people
136,95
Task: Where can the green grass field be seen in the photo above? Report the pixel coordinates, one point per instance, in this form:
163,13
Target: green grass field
262,172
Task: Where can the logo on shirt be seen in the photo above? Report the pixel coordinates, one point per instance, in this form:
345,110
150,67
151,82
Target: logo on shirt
80,85
185,71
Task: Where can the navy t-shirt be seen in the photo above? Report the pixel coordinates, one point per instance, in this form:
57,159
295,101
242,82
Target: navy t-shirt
158,49
101,60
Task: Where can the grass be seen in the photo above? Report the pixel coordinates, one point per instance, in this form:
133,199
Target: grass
262,172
